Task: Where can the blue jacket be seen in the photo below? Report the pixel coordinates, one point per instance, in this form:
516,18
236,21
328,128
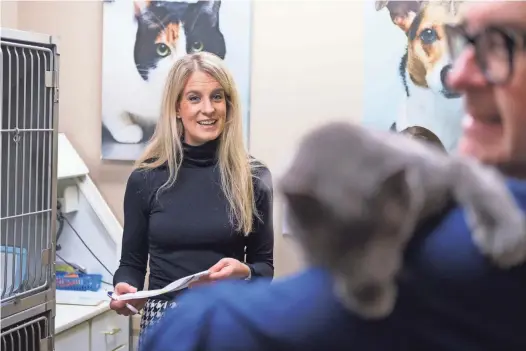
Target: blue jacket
452,299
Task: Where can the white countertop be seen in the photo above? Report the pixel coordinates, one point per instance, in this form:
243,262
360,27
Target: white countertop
73,308
68,316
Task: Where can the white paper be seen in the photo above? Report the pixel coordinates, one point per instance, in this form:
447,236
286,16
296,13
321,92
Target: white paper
177,285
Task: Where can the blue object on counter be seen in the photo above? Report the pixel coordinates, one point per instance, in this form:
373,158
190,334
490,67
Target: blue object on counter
15,259
78,281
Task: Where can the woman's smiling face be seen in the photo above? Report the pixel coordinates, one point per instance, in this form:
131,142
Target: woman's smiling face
202,109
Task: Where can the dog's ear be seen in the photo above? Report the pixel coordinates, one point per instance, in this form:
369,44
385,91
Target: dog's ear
402,12
380,4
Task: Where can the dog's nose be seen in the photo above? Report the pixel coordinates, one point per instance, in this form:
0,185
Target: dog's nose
443,75
446,89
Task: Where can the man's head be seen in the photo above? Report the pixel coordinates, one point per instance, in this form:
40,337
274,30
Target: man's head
490,70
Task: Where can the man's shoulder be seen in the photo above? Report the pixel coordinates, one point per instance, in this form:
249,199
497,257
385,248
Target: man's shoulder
260,293
518,190
251,316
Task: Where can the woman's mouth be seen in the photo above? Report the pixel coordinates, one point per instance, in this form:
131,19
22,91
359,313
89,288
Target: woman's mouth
207,122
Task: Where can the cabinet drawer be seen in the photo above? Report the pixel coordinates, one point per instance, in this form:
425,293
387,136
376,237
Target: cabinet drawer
76,338
110,332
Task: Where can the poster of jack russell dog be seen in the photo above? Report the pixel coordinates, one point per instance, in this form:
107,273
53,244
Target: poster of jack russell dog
141,41
406,65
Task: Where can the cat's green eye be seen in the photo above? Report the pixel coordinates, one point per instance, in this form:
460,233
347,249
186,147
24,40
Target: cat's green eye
197,46
163,50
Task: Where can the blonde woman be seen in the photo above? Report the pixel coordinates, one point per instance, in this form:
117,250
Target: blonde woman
196,199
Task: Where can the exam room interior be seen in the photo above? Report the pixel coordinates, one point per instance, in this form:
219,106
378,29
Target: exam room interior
292,66
279,89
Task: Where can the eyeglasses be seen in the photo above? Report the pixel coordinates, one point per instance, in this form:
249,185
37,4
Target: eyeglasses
495,49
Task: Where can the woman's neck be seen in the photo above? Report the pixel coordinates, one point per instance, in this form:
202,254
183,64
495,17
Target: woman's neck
203,155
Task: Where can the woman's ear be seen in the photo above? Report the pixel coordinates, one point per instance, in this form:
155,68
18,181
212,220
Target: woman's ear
178,107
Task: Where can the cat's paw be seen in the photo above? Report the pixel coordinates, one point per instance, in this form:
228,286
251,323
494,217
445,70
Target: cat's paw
131,134
505,241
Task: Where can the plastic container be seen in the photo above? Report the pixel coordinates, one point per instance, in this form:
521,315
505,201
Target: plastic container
13,263
78,281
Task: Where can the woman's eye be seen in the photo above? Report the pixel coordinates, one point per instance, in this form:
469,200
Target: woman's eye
193,98
218,97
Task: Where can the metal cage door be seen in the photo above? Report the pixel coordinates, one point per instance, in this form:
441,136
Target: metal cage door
28,149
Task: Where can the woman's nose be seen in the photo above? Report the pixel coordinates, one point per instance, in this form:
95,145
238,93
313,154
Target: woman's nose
208,107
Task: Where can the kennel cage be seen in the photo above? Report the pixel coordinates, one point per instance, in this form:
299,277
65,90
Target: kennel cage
28,167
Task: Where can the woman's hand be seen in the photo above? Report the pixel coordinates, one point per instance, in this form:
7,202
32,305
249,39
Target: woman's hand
226,268
120,306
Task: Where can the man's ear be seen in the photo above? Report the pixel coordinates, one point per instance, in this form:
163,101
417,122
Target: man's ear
402,12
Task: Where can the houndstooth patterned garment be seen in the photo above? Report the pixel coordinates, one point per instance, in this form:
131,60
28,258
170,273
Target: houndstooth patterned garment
153,311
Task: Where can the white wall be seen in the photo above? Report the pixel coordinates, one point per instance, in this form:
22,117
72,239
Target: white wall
307,68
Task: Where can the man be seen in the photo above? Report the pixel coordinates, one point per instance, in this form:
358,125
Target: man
453,299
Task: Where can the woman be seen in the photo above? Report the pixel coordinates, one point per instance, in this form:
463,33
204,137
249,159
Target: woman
196,199
451,298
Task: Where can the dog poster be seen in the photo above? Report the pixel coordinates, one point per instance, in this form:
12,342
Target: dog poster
141,41
406,65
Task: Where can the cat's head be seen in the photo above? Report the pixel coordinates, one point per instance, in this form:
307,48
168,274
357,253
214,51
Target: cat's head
168,30
348,206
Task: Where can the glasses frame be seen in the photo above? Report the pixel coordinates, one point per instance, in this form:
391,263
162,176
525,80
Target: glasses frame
514,41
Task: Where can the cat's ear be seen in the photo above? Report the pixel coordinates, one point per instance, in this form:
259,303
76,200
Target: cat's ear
302,203
395,184
394,196
304,208
139,6
203,10
211,7
402,12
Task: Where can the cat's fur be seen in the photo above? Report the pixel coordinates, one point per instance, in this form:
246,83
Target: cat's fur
355,196
154,36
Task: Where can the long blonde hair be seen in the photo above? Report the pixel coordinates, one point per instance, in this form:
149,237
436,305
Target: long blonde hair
235,165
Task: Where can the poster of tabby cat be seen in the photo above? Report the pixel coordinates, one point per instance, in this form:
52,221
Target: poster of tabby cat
138,52
406,66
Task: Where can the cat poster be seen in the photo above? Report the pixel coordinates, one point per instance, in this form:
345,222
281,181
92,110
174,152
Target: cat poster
406,66
135,66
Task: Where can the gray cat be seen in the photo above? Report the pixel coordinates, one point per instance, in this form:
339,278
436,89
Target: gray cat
356,195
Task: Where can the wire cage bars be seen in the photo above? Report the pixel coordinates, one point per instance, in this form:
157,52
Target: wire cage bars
29,335
27,169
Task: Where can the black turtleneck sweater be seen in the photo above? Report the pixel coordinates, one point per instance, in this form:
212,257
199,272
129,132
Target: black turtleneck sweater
187,229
